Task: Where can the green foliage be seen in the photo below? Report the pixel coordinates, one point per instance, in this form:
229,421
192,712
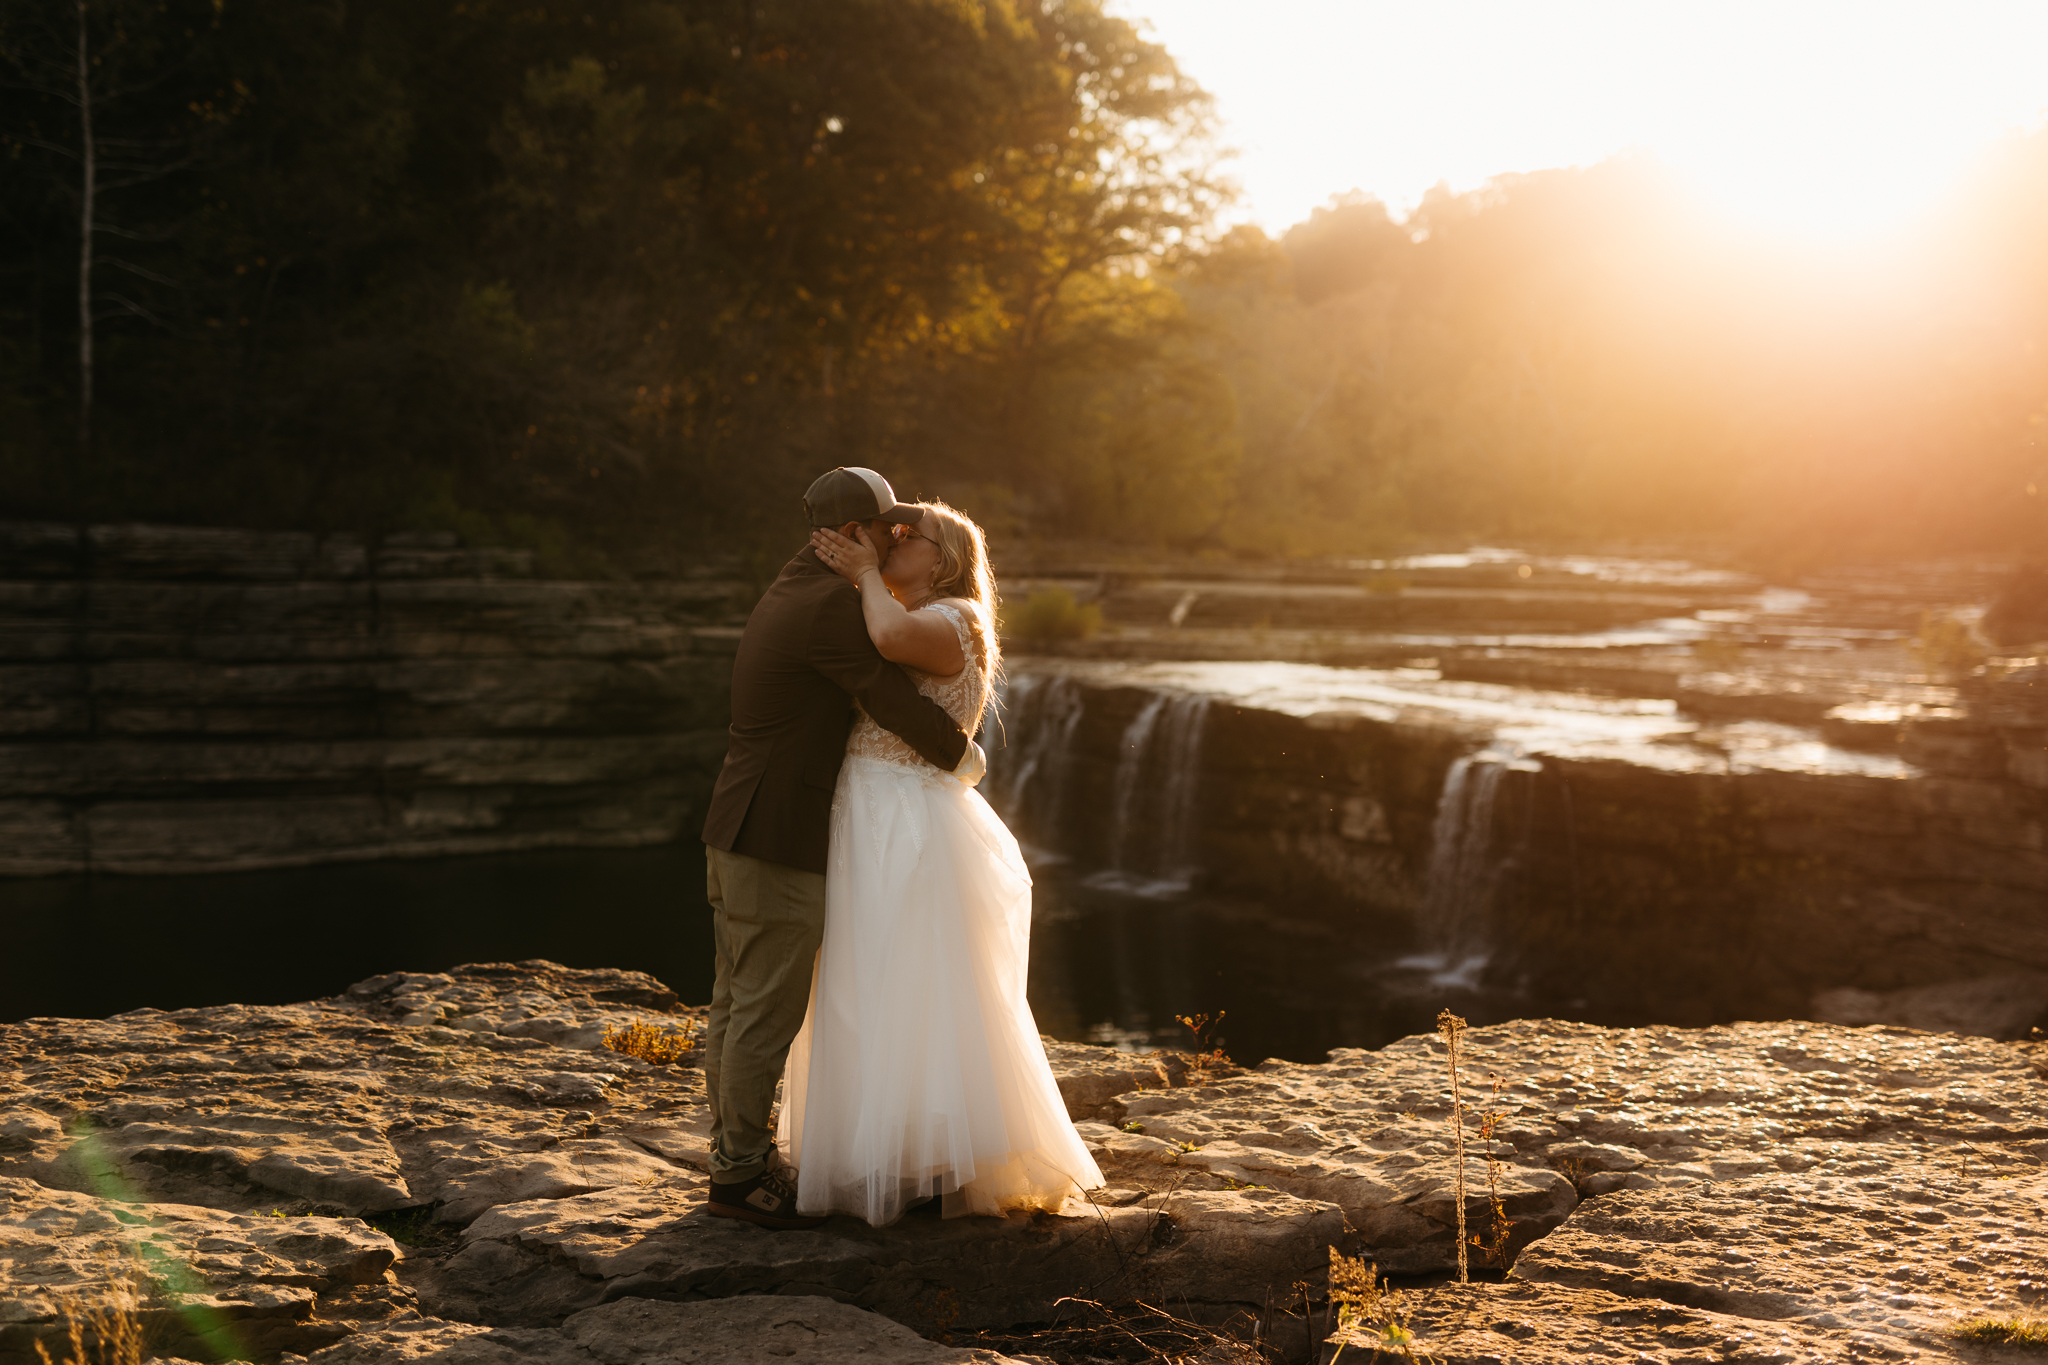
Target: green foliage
625,274
1946,647
1051,614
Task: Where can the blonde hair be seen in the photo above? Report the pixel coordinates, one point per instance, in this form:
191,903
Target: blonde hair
964,572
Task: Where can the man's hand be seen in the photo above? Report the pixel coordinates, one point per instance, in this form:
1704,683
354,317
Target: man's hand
973,765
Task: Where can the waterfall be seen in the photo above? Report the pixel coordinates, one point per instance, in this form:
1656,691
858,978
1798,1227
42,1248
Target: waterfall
1153,803
1464,867
1027,780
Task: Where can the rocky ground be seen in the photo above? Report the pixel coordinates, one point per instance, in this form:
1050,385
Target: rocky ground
452,1168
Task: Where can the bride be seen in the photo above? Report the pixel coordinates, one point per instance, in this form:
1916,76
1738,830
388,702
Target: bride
918,1072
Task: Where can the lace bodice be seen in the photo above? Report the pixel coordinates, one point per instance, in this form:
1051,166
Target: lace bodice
960,694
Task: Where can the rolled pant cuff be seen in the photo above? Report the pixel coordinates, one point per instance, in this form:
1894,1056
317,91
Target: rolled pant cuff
738,1174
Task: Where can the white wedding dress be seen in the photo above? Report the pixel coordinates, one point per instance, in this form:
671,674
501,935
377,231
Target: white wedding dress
919,1071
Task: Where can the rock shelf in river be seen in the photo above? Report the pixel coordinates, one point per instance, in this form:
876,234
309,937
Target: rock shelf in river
451,1167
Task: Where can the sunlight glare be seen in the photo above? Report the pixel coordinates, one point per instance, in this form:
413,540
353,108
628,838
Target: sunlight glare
1816,120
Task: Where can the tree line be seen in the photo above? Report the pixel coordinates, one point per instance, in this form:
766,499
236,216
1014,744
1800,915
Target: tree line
612,278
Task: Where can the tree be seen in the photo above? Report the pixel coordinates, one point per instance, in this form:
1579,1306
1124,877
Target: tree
99,60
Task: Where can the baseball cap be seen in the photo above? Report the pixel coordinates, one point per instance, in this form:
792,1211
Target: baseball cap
851,493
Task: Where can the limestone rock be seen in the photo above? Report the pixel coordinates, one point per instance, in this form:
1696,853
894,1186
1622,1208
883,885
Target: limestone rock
1542,1324
1604,1109
212,1280
531,1263
754,1330
2003,1006
1803,1267
1805,1191
1092,1077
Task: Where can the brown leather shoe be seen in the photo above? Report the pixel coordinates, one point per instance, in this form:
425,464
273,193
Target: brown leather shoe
769,1199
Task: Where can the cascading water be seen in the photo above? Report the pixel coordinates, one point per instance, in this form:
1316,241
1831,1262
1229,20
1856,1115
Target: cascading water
1154,797
1035,718
1464,868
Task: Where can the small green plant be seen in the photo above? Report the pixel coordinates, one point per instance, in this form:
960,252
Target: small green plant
1132,1126
1208,1049
1233,1183
2031,1333
1946,647
660,1044
1051,614
1361,1301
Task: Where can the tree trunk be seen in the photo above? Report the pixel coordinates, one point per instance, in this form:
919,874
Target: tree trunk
85,229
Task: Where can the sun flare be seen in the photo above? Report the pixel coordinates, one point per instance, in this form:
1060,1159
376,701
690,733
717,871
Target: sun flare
1816,121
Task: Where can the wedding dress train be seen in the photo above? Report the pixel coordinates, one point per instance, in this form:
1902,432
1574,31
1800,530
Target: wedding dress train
919,1071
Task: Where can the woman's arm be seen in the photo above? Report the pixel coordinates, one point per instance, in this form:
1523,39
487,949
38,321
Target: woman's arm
925,640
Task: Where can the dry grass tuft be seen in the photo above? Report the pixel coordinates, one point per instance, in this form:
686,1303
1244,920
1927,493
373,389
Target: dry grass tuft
2031,1333
106,1331
664,1045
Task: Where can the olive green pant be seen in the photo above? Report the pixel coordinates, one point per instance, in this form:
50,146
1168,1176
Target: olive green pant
767,920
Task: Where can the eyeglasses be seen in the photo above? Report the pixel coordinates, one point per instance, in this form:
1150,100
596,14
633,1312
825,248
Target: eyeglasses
900,533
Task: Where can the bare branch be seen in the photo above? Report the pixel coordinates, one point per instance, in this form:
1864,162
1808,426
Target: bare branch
154,235
144,177
135,269
57,147
130,306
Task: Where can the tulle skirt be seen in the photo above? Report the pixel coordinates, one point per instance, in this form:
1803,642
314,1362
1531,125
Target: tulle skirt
919,1071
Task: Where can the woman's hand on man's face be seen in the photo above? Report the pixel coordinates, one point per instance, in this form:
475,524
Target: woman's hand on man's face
847,558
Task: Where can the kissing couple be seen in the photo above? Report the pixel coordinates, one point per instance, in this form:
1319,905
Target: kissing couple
872,914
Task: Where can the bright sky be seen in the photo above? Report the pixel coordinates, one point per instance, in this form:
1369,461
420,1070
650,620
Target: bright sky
1824,120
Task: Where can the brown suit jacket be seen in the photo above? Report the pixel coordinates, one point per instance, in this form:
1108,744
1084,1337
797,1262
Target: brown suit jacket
804,657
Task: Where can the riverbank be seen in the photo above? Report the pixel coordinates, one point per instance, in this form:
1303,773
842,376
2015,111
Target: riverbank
435,1161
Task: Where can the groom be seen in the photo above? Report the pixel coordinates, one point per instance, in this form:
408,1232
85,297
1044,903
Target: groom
804,659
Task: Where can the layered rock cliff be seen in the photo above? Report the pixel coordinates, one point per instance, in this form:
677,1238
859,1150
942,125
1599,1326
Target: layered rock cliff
179,700
1620,864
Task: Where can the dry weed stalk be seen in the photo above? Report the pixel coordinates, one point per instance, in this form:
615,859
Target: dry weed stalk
664,1046
1208,1054
1453,1030
1496,1244
1127,1332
